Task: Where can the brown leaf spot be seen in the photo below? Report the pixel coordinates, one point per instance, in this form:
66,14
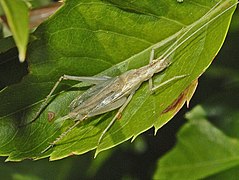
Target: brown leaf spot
50,116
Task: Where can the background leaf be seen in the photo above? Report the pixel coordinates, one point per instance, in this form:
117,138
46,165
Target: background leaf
86,43
17,16
202,150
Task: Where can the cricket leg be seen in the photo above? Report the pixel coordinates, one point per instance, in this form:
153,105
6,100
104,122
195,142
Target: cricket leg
150,60
176,78
153,88
115,117
93,80
60,120
162,60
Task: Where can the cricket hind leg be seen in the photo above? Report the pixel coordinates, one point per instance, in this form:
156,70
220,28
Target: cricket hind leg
92,80
121,109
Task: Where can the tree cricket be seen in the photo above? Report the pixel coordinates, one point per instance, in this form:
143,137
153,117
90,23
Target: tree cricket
111,93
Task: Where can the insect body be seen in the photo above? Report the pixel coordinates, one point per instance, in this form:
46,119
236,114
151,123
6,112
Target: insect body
113,93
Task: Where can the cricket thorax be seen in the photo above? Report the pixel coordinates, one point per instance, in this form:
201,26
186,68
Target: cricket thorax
146,72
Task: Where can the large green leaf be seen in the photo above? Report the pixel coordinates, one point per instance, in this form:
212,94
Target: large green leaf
202,150
86,38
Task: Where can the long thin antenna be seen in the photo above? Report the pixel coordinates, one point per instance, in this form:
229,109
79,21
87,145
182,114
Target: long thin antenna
166,54
184,34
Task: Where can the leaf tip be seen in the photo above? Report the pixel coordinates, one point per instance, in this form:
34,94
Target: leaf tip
22,56
133,138
96,153
155,131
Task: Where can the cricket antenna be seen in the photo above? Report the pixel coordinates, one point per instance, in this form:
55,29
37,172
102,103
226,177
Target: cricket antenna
170,50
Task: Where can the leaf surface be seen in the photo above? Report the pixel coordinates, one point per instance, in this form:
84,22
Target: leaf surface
202,150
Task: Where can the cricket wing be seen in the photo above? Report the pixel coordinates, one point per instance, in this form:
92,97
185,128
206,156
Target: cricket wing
89,93
109,107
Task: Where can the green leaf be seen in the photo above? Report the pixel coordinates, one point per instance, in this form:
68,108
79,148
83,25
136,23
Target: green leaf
17,16
87,38
202,150
231,173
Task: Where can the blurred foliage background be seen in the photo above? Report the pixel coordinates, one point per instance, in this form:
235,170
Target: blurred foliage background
217,93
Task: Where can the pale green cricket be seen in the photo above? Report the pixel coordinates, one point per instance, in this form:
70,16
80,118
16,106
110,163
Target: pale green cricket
110,93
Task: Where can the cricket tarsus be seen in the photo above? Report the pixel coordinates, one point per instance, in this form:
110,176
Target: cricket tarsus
117,92
61,136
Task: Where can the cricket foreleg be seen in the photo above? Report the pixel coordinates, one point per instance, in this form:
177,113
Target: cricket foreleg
151,59
115,117
176,78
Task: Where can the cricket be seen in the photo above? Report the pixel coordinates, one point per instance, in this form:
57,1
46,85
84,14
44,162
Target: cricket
111,93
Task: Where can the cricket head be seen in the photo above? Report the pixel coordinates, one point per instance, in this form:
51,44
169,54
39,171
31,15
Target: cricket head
160,64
